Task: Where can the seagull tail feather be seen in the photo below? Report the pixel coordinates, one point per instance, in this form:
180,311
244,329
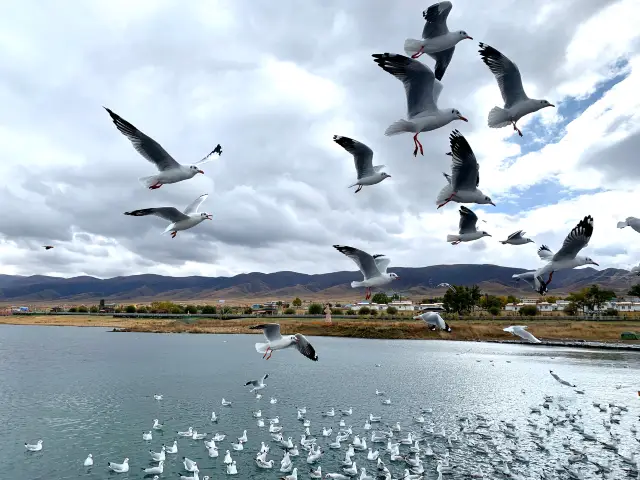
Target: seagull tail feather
399,126
148,181
261,347
453,238
622,224
412,46
498,118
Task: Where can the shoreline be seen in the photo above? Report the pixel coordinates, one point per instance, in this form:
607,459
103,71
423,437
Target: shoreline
579,334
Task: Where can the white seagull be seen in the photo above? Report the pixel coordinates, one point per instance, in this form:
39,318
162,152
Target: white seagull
467,231
170,170
462,186
437,41
257,384
34,447
567,257
432,318
632,222
516,238
88,462
534,281
179,220
362,156
521,331
373,268
275,341
119,467
516,102
422,91
155,470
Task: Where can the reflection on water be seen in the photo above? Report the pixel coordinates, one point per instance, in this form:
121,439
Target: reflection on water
83,390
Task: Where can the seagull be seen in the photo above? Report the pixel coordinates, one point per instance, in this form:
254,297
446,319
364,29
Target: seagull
170,170
34,447
447,285
516,102
257,384
521,331
157,397
632,222
467,231
534,281
373,268
437,41
362,156
88,462
157,425
516,238
560,380
47,247
157,469
275,341
179,220
422,91
432,318
119,467
463,184
567,256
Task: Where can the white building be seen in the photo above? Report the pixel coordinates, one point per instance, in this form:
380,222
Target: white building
430,307
401,305
372,306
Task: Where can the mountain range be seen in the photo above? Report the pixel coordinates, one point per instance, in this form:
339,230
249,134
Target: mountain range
415,283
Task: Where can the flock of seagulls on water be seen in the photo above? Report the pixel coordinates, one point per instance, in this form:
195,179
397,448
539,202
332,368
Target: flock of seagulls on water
562,437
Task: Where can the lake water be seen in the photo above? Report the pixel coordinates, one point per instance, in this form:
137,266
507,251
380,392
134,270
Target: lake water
86,390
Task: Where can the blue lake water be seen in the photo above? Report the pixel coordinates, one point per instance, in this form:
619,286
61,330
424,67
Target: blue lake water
86,390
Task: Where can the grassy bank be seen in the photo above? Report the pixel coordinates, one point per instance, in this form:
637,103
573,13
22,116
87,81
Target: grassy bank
383,329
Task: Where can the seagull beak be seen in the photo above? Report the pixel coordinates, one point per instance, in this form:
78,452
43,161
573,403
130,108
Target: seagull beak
552,105
470,38
462,118
200,171
492,204
209,217
596,264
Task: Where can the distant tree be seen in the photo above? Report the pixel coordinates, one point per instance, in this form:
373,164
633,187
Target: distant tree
488,301
392,310
592,298
93,309
247,311
634,291
528,311
571,309
296,302
131,309
226,310
118,310
512,299
364,311
611,312
462,300
83,309
351,312
373,312
551,299
142,309
380,298
289,311
73,309
495,311
209,310
166,307
315,309
395,296
337,311
192,309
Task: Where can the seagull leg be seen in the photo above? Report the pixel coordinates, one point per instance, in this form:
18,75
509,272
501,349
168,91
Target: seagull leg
270,353
516,128
448,200
265,353
418,144
155,185
358,189
173,234
455,243
418,53
367,293
550,277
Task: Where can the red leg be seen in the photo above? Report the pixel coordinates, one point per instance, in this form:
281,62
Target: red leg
550,277
155,185
419,145
448,200
265,353
367,293
270,353
418,53
173,234
415,144
517,129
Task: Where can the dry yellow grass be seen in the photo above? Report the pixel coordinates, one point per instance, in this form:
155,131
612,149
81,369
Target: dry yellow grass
370,328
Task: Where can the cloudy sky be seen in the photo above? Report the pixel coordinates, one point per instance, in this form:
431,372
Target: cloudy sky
273,82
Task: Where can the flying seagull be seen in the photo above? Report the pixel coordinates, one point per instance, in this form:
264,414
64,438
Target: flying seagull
560,380
521,331
437,41
567,257
433,319
516,102
257,384
275,341
422,91
632,222
535,282
462,186
373,268
449,286
516,238
362,156
179,220
47,247
170,170
467,231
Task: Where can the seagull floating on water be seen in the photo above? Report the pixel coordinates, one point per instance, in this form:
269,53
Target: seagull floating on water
467,231
275,341
516,238
362,156
521,331
119,467
422,92
373,268
516,102
34,447
170,170
88,462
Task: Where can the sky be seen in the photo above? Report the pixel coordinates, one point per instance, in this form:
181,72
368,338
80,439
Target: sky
272,83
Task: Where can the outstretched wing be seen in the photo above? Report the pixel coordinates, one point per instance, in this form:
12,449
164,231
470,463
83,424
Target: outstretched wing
170,214
363,260
382,263
210,157
465,171
255,383
305,348
514,235
362,155
468,220
577,239
193,206
506,73
271,331
545,253
436,18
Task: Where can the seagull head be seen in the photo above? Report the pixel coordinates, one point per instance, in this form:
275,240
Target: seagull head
458,115
487,200
393,276
485,234
589,261
464,35
293,339
195,170
545,103
530,241
206,216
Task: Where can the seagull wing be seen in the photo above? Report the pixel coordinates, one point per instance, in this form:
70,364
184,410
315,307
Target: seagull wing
382,263
418,80
545,253
465,171
506,73
170,214
436,18
193,206
468,220
577,239
271,331
255,383
145,145
363,260
305,348
515,235
210,156
362,155
522,332
443,59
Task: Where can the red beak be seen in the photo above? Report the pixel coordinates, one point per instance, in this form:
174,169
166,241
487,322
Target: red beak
462,118
470,38
200,171
209,217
